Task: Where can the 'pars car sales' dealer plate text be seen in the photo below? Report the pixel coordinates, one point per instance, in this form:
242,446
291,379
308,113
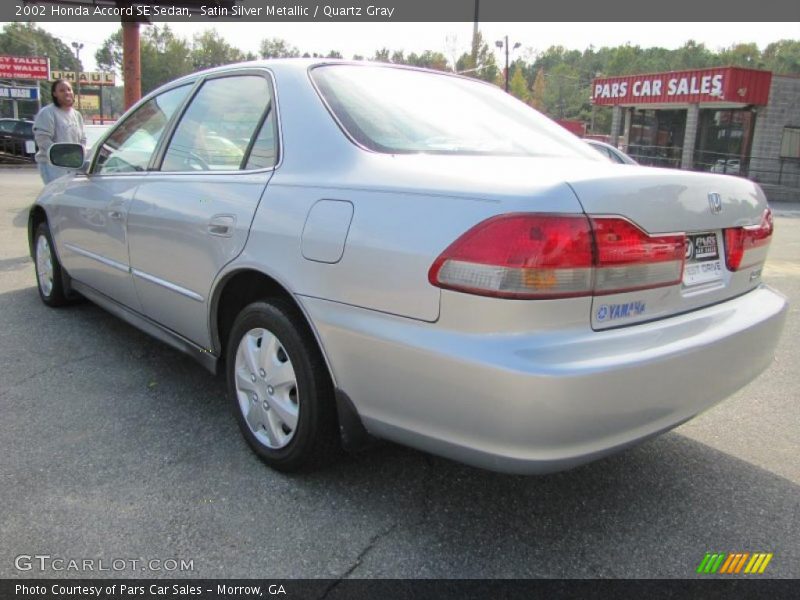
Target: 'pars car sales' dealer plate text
703,263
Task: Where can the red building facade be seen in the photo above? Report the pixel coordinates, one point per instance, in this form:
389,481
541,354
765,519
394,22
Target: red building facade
701,119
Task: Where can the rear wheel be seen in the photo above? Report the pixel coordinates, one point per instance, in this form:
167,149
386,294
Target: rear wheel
279,387
49,274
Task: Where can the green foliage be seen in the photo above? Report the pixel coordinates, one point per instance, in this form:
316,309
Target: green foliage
741,55
518,86
382,55
565,76
26,39
783,57
538,90
430,60
483,67
557,82
163,55
277,48
209,49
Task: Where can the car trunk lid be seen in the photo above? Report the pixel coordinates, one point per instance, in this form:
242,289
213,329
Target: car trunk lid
663,202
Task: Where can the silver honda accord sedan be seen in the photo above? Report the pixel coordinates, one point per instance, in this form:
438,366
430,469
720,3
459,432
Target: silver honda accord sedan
372,251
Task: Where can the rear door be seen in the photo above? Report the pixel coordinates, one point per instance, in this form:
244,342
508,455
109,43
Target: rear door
192,216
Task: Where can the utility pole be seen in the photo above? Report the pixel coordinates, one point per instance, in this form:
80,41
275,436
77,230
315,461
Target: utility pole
475,36
78,48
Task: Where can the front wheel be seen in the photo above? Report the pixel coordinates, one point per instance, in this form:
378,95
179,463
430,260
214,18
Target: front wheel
49,274
279,387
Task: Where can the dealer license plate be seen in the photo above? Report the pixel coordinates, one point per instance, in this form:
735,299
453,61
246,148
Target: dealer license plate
703,263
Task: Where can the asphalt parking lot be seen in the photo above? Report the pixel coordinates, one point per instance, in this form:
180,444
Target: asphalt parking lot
114,446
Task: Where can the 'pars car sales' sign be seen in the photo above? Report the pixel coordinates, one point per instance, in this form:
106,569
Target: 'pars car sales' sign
728,84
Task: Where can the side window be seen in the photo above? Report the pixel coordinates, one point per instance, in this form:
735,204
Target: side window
132,144
217,127
264,153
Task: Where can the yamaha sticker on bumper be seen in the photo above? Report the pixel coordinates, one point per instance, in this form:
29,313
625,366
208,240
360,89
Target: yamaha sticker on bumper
612,312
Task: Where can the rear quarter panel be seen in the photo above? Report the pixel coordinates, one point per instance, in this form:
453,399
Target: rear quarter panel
406,209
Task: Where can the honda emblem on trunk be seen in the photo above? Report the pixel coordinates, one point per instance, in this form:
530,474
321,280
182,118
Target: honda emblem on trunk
715,202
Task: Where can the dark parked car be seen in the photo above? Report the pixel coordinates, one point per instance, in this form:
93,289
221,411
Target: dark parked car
16,137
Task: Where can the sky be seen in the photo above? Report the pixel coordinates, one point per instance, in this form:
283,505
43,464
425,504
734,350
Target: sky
451,39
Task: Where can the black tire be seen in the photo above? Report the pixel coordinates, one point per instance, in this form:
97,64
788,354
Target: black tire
56,295
314,439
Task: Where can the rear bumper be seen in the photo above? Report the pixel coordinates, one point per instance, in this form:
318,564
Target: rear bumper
539,402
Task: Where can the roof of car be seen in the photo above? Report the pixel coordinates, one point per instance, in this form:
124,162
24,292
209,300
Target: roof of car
303,64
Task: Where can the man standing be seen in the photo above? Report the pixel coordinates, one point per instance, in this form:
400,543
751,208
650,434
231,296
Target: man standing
57,122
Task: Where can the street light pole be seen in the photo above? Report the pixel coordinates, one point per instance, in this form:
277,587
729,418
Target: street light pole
78,48
500,44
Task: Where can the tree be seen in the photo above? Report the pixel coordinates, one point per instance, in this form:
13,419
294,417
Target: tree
485,67
782,57
163,55
429,60
537,99
381,55
277,48
518,86
741,55
692,56
209,49
26,39
109,56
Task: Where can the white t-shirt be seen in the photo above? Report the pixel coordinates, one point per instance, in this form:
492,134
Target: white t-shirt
54,124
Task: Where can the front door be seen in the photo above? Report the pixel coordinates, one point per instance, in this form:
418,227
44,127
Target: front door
91,222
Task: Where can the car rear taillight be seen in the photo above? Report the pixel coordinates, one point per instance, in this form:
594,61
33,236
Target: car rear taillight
558,256
739,240
629,259
520,256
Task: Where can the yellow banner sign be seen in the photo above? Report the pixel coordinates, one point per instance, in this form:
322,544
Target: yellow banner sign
86,102
85,77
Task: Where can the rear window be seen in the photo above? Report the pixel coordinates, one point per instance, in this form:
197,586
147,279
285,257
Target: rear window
395,110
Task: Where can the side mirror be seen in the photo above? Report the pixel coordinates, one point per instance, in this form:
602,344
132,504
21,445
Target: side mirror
69,156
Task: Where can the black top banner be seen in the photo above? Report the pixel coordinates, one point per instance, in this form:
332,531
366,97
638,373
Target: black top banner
711,11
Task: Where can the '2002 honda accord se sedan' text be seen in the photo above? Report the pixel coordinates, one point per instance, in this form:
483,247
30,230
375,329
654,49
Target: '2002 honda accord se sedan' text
373,250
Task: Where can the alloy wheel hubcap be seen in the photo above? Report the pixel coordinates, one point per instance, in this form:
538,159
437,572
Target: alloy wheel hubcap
263,370
44,265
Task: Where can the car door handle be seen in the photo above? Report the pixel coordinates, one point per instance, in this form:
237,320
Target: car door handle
116,209
221,225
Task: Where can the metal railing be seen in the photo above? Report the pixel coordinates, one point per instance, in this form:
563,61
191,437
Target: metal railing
656,156
761,169
767,170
